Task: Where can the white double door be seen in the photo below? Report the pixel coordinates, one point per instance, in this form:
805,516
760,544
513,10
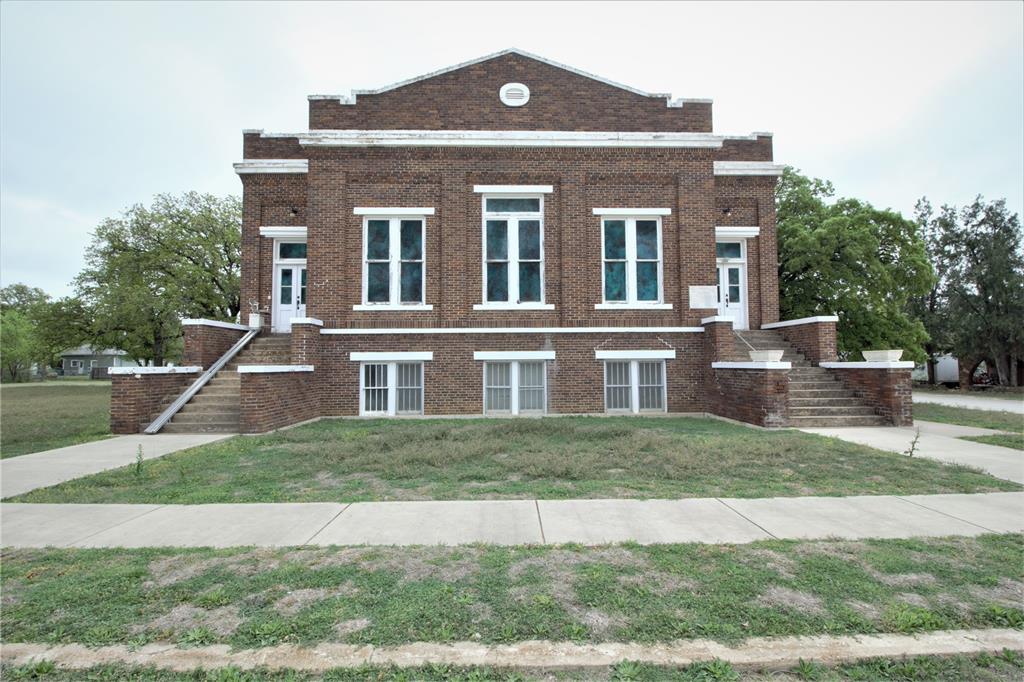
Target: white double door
732,292
289,295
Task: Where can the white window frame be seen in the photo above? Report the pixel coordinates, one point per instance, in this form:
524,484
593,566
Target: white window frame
514,387
392,389
394,264
75,364
289,261
634,386
513,252
631,301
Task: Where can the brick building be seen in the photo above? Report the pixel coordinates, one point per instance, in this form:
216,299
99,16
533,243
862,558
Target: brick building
512,236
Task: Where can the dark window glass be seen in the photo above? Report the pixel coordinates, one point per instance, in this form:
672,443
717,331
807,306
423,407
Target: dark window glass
302,286
291,250
615,281
497,281
615,239
513,205
529,239
286,286
729,250
497,239
412,240
412,282
378,240
647,239
646,281
529,282
377,283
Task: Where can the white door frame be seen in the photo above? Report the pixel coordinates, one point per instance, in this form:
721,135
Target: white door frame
279,324
721,264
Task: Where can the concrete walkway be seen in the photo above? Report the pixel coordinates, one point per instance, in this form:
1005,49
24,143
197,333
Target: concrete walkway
41,469
970,401
509,522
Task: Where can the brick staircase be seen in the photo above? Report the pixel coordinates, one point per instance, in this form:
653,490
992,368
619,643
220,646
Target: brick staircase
216,408
816,397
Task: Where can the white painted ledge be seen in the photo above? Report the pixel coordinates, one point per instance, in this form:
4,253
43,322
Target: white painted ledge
639,212
513,330
514,355
189,369
392,356
307,320
633,306
395,211
272,166
509,138
376,308
899,364
202,322
737,232
273,369
802,320
718,318
513,189
284,231
752,365
667,354
513,306
748,168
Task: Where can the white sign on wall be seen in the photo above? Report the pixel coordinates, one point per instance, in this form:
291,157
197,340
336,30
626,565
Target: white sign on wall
704,297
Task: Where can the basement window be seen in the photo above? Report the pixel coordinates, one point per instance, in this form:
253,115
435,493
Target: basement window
391,388
515,387
634,386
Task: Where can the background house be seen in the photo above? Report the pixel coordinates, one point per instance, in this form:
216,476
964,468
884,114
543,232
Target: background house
83,359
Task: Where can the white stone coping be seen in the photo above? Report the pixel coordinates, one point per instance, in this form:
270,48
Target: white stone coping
273,369
188,369
513,189
392,356
510,138
667,354
898,364
307,320
284,231
748,168
402,307
632,306
632,211
737,232
514,355
513,306
272,166
514,330
752,365
802,320
718,318
202,322
396,210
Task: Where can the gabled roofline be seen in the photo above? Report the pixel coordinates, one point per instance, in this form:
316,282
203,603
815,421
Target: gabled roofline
351,98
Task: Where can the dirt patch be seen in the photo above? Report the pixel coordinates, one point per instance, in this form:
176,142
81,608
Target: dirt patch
903,579
481,611
913,599
658,582
296,600
184,617
868,611
780,563
175,569
563,559
347,627
1009,593
786,598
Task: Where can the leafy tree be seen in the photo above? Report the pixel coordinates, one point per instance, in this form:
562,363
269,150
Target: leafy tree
150,267
21,297
849,258
978,252
17,344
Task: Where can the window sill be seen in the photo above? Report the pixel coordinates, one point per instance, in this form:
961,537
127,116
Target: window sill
513,306
633,306
374,307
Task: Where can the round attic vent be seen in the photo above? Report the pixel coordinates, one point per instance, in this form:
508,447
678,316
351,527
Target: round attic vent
514,94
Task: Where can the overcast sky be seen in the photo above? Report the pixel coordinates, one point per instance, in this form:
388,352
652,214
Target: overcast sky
105,105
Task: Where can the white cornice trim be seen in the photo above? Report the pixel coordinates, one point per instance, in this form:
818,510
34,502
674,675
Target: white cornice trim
802,320
899,364
748,168
751,365
392,356
718,318
281,231
397,211
354,94
273,369
272,166
155,370
513,189
213,323
307,320
392,307
667,354
632,211
515,330
738,232
514,355
513,306
632,306
504,138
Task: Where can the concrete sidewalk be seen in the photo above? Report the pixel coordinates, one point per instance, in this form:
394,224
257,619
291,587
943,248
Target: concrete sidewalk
41,469
509,522
971,402
937,441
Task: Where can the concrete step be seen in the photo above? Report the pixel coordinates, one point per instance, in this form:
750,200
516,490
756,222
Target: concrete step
205,417
813,385
825,401
819,393
831,411
210,408
819,421
226,427
221,390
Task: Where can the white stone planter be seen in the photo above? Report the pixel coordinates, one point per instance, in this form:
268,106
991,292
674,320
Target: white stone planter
766,355
882,355
255,321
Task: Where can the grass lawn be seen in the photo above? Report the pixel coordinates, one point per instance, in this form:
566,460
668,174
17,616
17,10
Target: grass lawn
564,457
36,417
1006,666
381,595
1006,440
983,419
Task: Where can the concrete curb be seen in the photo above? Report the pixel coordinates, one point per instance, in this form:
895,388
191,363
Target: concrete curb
761,653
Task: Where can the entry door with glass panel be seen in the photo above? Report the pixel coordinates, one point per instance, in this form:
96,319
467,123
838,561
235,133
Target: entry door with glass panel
289,284
732,282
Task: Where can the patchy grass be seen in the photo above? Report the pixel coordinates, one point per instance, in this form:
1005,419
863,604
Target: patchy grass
36,417
380,595
564,457
1006,440
983,419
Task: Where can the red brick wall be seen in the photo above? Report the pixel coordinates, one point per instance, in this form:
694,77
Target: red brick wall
137,398
305,344
205,344
887,390
755,396
816,340
467,99
275,399
719,342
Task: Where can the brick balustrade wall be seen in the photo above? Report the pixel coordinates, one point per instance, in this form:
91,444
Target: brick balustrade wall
719,342
205,344
136,398
275,399
887,390
305,344
755,396
816,340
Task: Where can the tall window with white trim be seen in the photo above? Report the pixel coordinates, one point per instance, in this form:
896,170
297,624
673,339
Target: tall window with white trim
513,250
632,270
515,387
391,388
634,386
393,261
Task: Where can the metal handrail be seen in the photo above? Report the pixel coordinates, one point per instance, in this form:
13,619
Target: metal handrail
205,377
